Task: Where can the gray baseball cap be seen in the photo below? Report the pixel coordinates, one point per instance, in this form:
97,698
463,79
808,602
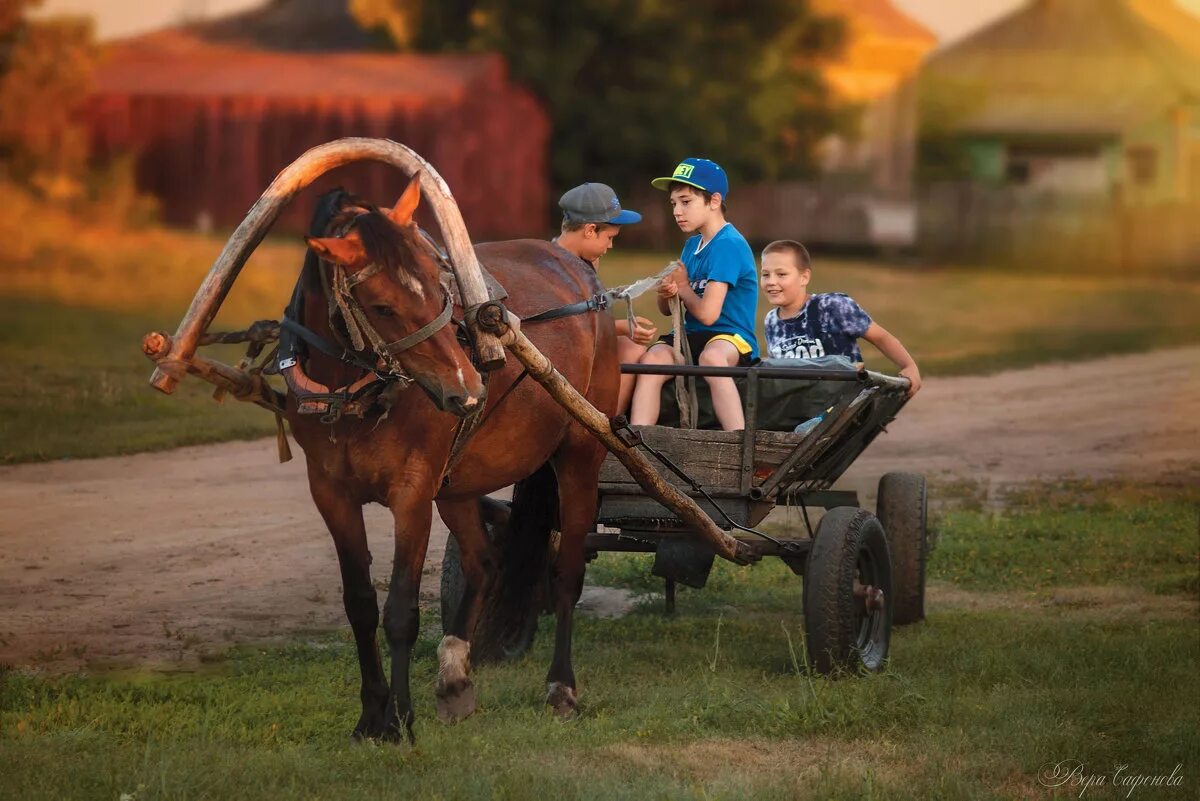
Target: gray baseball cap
595,203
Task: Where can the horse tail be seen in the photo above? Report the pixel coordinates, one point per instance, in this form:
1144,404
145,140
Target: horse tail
520,587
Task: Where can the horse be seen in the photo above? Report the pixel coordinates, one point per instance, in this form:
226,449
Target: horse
383,272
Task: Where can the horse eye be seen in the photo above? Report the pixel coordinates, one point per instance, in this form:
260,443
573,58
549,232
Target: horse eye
384,311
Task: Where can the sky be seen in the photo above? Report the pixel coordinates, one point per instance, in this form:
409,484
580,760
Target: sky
949,19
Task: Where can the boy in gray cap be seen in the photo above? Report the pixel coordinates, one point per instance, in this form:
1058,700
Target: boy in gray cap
592,218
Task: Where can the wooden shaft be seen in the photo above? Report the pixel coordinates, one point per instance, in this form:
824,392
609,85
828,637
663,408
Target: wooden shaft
643,472
302,172
239,383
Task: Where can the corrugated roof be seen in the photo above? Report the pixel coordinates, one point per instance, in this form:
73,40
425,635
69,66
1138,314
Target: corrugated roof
1084,67
178,63
1181,27
295,25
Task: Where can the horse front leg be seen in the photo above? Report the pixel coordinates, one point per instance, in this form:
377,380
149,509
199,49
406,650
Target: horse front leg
455,691
577,465
413,513
343,516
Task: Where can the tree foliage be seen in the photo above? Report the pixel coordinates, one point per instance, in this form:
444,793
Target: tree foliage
45,68
632,86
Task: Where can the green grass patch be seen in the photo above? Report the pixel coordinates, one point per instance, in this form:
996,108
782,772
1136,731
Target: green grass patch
1077,533
73,383
711,704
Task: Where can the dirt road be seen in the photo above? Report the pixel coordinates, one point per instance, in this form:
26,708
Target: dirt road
165,557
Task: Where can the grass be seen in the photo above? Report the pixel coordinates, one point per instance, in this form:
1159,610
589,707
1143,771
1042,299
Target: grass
73,310
998,683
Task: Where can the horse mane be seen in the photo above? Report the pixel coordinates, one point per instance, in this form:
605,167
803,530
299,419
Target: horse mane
384,241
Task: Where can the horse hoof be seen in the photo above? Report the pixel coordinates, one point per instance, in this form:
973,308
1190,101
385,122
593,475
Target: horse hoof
456,702
370,727
562,699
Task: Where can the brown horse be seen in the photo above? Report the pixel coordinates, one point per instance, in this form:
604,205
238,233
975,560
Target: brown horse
390,271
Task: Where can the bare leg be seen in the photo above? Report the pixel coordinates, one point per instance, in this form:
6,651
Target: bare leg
455,692
344,518
413,513
628,352
648,390
577,464
727,403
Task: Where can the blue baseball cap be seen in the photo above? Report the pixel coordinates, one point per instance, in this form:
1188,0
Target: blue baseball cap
703,174
595,203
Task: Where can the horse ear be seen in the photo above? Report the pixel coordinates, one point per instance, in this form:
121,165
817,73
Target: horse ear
340,251
402,212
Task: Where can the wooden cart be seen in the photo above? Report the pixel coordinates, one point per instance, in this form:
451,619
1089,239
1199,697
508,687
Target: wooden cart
862,571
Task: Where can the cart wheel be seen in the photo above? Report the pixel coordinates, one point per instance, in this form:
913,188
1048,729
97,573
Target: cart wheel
497,637
901,509
847,593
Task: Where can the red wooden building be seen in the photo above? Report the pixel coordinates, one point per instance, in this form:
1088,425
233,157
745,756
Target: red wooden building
212,123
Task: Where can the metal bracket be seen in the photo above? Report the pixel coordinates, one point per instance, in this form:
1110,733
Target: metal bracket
620,426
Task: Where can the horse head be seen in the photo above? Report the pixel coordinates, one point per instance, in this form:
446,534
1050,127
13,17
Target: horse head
387,284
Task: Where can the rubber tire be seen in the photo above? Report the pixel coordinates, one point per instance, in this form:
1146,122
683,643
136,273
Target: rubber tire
519,634
902,509
835,644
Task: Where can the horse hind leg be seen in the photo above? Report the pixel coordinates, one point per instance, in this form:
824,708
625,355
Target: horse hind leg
455,692
577,464
344,519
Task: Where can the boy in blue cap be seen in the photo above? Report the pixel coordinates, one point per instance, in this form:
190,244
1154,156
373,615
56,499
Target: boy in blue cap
718,287
592,218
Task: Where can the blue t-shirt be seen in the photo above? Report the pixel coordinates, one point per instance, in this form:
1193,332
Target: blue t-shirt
828,325
725,258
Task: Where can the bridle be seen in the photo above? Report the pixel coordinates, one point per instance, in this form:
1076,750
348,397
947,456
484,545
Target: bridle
382,374
340,294
362,332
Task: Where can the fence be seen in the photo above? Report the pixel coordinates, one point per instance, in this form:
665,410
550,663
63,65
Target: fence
1008,226
957,223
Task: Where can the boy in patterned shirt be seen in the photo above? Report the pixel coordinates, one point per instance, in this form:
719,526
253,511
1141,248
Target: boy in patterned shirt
804,326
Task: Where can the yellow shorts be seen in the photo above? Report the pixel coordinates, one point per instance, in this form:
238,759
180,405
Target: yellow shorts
697,340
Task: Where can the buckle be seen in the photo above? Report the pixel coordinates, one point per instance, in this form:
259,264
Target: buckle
620,426
288,362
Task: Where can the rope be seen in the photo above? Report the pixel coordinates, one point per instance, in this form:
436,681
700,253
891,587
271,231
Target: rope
685,386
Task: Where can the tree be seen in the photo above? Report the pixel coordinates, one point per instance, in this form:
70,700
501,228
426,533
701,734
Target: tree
632,86
45,68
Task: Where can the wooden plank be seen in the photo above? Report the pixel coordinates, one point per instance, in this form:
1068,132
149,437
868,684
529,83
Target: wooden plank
713,458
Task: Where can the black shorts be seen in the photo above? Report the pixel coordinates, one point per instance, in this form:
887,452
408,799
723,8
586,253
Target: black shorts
698,340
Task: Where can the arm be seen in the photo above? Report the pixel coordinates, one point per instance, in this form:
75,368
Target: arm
706,309
892,348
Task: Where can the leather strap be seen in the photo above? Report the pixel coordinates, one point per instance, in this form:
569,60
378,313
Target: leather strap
424,332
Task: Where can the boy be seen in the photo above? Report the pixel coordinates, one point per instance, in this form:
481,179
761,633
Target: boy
592,218
718,288
804,326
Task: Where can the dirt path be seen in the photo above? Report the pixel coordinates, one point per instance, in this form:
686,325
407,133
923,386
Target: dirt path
165,557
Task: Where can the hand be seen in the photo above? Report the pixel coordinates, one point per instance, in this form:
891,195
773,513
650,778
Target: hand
668,288
914,379
644,332
680,276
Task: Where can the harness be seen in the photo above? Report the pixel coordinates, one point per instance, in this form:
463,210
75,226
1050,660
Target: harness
364,395
376,391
